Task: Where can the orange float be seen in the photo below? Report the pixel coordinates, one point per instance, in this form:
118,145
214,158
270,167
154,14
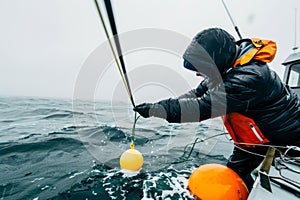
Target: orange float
217,182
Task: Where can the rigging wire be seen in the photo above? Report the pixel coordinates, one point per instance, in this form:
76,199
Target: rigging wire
187,154
231,19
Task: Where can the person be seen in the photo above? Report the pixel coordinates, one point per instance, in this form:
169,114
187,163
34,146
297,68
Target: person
257,108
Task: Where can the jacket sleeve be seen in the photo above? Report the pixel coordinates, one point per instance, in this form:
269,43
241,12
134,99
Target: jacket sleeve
213,103
197,92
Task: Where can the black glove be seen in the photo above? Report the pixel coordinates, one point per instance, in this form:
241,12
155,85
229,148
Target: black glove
151,109
143,109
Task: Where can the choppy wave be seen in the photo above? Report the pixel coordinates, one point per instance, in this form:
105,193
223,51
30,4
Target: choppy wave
46,154
58,115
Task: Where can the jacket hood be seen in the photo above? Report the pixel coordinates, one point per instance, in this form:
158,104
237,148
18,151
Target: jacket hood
211,52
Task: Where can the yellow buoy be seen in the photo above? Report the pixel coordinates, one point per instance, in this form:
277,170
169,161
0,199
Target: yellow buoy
216,182
131,160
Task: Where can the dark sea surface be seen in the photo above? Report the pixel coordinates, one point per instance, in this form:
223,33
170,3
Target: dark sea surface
60,149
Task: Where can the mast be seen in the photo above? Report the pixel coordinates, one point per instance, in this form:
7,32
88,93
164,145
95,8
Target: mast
295,36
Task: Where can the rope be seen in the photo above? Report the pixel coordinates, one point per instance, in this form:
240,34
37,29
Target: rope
133,127
185,158
197,140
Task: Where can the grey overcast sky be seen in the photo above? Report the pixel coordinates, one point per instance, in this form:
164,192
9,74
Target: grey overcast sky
44,43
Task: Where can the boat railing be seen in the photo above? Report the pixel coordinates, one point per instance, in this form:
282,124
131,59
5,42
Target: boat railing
285,173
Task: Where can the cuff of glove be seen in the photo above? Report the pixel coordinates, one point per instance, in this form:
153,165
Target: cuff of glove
172,110
157,110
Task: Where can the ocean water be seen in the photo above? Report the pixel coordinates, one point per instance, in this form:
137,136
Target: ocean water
64,149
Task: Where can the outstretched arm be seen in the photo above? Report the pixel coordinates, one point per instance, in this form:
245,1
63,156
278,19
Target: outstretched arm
238,91
177,110
212,104
170,109
197,92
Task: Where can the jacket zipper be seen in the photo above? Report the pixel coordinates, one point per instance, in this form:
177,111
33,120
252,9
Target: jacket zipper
255,132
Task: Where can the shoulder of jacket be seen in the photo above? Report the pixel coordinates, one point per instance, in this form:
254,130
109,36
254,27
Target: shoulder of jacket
252,73
253,66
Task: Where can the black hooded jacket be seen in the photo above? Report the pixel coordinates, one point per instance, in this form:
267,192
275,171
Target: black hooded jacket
253,90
